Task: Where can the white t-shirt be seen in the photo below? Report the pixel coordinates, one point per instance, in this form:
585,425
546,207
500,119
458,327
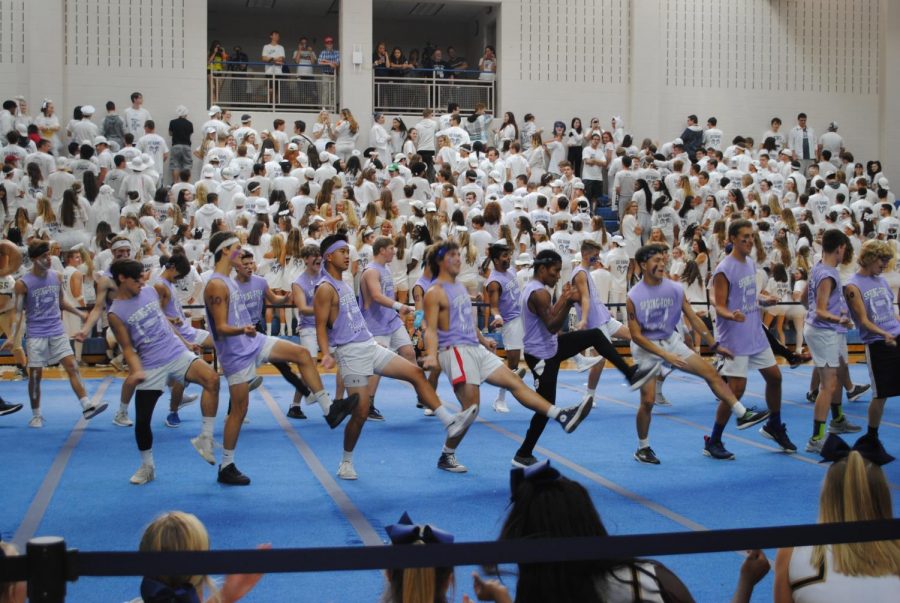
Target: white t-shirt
273,51
134,121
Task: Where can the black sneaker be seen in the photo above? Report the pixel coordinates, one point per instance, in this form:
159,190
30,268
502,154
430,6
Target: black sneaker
856,393
524,461
521,373
419,404
374,414
295,412
7,408
646,455
230,475
641,374
812,395
779,434
751,418
570,418
716,450
340,410
794,359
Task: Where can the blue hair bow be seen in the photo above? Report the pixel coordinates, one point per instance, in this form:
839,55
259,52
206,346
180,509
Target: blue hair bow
406,532
154,591
539,473
869,447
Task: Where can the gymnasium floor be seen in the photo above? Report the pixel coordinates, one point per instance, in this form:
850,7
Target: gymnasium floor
71,478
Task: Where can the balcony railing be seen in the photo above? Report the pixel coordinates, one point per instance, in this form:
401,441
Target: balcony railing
428,89
250,88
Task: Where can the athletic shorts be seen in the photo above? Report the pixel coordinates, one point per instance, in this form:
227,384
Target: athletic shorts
249,373
359,361
175,370
674,344
740,366
471,364
610,327
309,340
827,346
199,337
111,341
513,334
180,157
395,340
883,361
47,351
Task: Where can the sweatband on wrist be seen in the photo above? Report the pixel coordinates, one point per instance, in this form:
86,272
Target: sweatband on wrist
397,306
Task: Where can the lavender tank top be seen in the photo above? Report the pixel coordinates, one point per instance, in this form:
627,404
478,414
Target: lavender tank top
658,308
424,282
349,326
462,324
149,330
253,294
381,320
539,342
42,312
173,309
878,300
238,351
598,313
743,338
308,284
837,305
510,305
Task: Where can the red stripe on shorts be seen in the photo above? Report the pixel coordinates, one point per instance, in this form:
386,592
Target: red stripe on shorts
462,370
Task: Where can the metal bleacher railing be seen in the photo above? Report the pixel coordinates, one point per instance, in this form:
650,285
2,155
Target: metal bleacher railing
430,89
249,88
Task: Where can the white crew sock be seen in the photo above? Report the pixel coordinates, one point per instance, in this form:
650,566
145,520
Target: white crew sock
36,411
206,428
501,395
85,402
227,458
348,456
643,443
739,410
553,412
123,408
444,415
147,457
448,450
323,399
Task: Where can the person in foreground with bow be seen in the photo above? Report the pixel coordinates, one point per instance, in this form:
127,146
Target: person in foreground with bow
417,584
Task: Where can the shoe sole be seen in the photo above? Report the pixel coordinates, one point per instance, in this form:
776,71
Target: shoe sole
501,409
235,483
141,483
662,403
173,425
584,409
11,410
840,430
456,429
88,415
651,373
718,458
519,465
453,469
297,417
766,434
376,419
814,450
118,423
257,381
643,462
755,421
201,453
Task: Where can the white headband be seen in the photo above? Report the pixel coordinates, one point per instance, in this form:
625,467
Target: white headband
121,244
227,242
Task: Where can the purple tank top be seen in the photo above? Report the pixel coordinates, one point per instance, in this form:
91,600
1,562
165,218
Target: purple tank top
462,323
308,284
381,320
149,330
349,326
173,309
539,342
238,351
878,300
253,295
42,313
658,308
509,304
598,313
837,305
424,282
742,338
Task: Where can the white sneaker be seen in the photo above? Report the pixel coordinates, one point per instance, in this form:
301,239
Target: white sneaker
346,470
500,405
583,363
661,400
462,420
144,474
121,419
36,422
92,410
204,445
118,363
187,400
428,412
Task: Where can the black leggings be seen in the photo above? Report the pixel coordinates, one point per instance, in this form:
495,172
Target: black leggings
777,348
144,403
291,377
569,344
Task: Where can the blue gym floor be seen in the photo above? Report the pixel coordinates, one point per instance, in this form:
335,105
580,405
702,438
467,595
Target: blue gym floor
73,482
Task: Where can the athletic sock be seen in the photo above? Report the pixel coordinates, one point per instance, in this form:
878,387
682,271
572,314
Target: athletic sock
775,418
36,411
123,408
147,457
501,395
872,431
643,443
837,411
739,409
227,458
443,415
717,430
348,457
553,412
322,398
818,430
448,450
85,402
206,428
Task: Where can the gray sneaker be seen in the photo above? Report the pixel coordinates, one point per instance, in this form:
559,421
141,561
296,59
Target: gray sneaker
144,474
524,462
814,445
856,393
843,425
448,462
462,420
204,446
661,400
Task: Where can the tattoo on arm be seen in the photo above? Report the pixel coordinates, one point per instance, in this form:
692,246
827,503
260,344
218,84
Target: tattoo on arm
632,316
215,300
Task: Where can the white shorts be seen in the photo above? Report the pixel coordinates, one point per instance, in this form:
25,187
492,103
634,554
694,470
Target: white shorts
200,336
174,370
513,334
359,361
249,373
309,340
470,364
111,341
740,366
395,340
47,351
610,327
827,347
673,344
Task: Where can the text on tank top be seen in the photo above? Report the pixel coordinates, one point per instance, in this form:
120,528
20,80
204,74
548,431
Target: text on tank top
878,300
237,351
837,305
149,330
42,312
539,341
657,308
461,327
741,338
349,326
509,303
